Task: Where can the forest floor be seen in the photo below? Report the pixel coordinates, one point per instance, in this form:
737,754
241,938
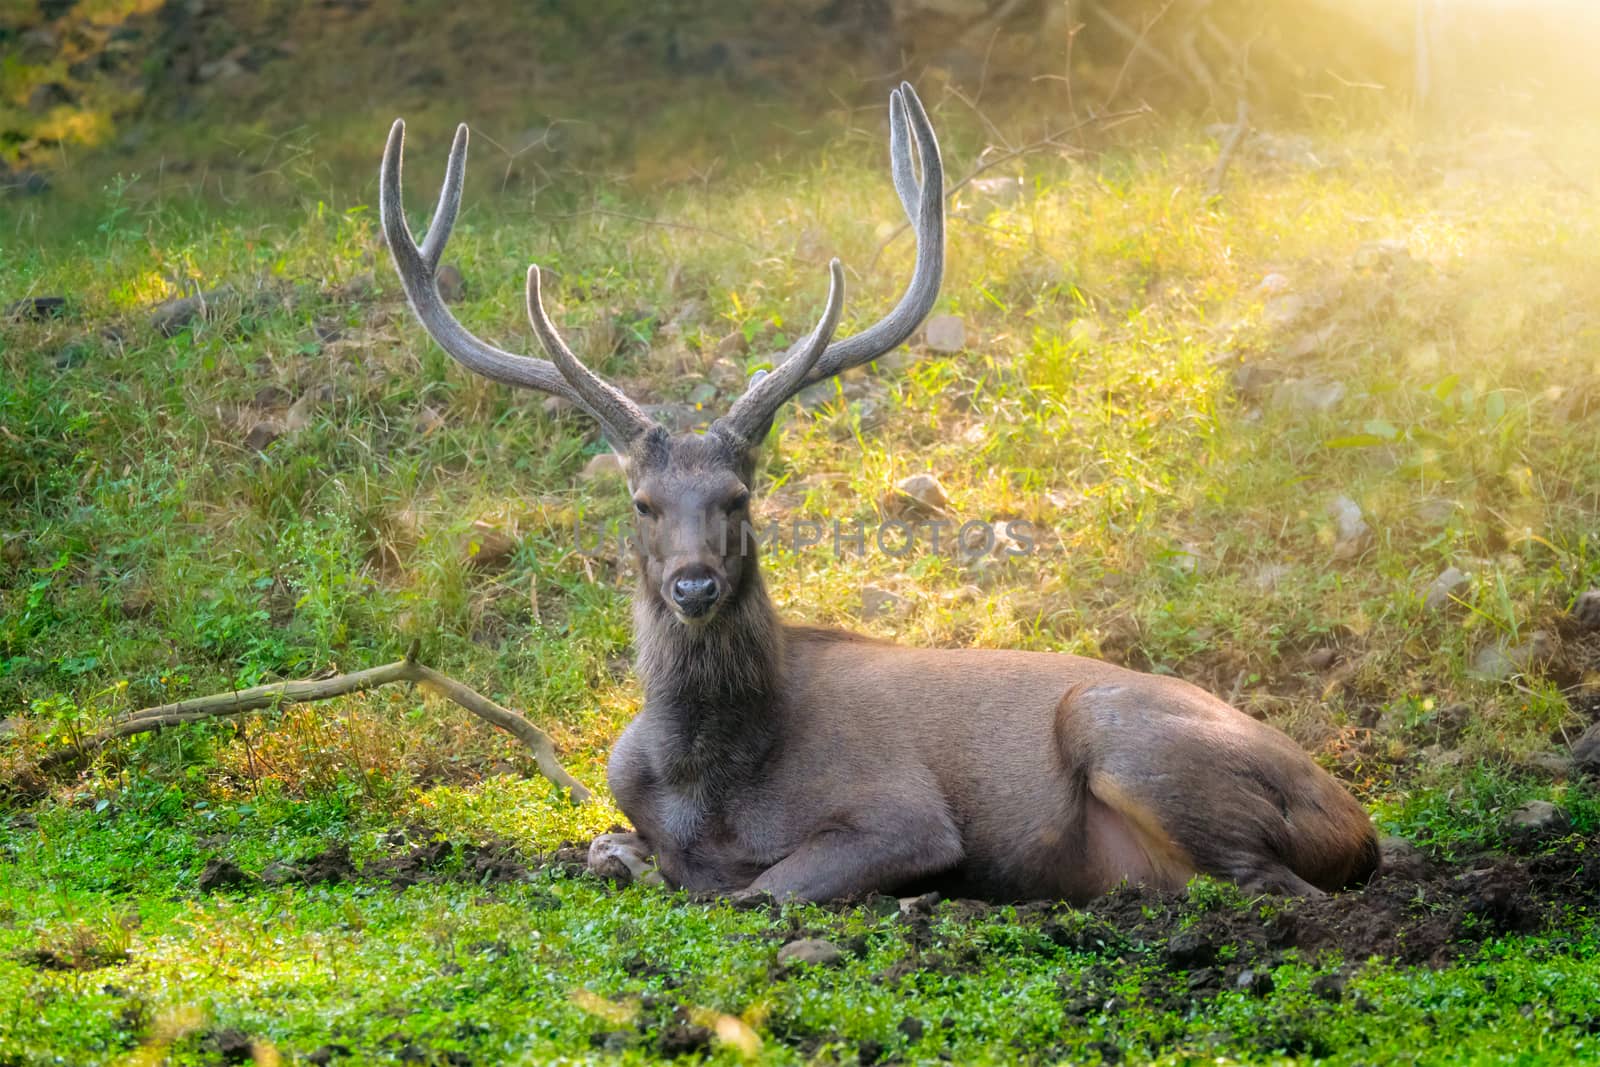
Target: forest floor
1327,444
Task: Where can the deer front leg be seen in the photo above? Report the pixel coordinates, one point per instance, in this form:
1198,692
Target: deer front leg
624,857
851,861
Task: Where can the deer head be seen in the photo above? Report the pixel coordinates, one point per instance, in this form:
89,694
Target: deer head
691,491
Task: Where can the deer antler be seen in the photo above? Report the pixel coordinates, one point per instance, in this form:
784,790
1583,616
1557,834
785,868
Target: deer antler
751,415
812,359
618,416
923,203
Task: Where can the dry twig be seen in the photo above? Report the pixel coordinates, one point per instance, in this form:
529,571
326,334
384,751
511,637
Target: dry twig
304,691
1230,147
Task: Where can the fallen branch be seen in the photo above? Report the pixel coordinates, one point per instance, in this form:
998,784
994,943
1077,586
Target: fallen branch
305,691
1219,173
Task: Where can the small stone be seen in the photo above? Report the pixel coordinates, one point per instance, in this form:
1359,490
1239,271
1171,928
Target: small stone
49,96
727,375
1384,254
1550,765
488,549
812,951
173,315
1401,859
1308,395
946,333
918,906
877,603
925,491
1537,816
37,308
1269,576
452,286
1354,535
1586,752
263,434
702,394
604,465
1586,612
1189,950
1284,309
556,407
734,346
1256,983
1441,593
1320,659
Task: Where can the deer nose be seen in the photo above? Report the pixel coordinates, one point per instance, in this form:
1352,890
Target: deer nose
694,595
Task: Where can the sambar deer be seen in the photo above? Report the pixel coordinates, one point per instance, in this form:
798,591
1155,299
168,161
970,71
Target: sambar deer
820,764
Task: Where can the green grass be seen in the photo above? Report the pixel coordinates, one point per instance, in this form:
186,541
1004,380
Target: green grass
1121,391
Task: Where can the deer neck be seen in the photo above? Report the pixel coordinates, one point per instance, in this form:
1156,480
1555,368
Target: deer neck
715,688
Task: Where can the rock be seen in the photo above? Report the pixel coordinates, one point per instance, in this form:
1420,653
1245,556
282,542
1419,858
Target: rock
1320,659
810,951
1586,752
1272,284
1442,590
1308,395
1189,950
702,394
925,492
946,333
1499,661
487,548
877,603
1354,535
1385,255
726,375
1552,766
168,318
911,1028
37,308
1401,859
1256,983
735,346
556,407
918,906
1586,612
50,96
1284,309
1537,816
604,465
22,182
452,286
263,434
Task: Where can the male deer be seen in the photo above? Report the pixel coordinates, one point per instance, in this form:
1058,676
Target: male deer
820,764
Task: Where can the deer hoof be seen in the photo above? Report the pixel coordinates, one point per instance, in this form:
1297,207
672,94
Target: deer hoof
623,858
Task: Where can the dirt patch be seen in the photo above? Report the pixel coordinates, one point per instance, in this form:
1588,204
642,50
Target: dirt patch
431,862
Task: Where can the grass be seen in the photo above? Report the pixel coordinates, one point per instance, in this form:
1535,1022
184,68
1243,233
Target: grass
1137,385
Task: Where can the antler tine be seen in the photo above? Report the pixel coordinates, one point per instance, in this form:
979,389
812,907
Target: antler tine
416,267
752,414
924,206
621,416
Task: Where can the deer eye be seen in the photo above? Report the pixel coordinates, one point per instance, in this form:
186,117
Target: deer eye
641,507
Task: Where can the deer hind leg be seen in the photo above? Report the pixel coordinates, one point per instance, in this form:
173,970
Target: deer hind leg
1126,841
